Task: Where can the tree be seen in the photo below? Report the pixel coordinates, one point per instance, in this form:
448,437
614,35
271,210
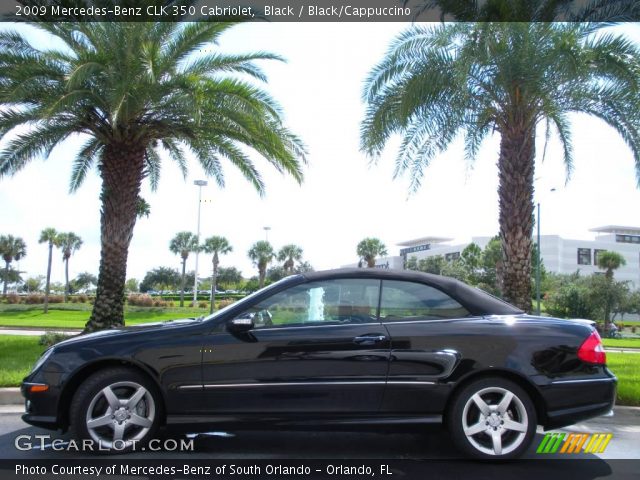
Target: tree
503,77
609,261
369,249
131,286
261,254
32,284
83,281
276,273
11,248
69,243
303,267
161,278
48,236
183,244
128,91
229,276
289,254
218,246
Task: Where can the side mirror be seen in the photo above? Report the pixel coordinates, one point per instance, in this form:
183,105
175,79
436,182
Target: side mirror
240,324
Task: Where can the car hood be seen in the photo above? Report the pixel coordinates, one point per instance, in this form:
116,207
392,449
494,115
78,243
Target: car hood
113,332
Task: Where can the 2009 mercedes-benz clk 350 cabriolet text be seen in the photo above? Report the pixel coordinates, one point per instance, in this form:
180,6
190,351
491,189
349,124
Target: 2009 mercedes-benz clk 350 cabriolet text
354,347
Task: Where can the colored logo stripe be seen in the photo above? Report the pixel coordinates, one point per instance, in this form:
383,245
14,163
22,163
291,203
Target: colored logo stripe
574,443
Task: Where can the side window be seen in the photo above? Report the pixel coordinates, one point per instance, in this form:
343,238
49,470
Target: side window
320,303
406,301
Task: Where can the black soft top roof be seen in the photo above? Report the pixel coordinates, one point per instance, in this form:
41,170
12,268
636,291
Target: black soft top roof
476,301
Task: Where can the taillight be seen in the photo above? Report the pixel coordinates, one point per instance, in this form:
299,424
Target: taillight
592,350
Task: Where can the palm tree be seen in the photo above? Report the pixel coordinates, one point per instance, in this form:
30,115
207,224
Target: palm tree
128,91
49,236
183,244
261,254
370,248
218,246
11,248
609,261
507,78
69,243
289,254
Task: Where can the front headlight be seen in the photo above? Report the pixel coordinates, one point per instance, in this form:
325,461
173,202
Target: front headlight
45,356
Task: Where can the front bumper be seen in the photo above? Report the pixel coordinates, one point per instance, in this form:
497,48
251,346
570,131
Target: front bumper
40,407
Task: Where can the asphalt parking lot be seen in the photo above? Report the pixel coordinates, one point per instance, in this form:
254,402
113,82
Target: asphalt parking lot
433,445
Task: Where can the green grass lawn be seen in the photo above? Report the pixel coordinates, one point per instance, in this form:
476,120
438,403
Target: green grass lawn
621,342
17,356
19,353
34,317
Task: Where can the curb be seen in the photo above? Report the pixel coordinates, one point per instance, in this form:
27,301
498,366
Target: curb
11,396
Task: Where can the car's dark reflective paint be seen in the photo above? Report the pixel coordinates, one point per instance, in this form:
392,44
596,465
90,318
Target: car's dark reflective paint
374,348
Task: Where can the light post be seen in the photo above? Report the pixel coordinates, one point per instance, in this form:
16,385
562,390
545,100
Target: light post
266,233
538,259
199,184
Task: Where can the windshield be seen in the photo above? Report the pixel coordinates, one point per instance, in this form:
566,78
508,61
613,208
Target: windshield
249,297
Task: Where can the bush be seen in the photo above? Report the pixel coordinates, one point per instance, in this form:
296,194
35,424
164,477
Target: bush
53,299
225,303
82,298
203,304
140,300
13,299
51,338
34,299
162,304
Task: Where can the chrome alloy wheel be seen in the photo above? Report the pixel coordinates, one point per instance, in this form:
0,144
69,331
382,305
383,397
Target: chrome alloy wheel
120,414
495,421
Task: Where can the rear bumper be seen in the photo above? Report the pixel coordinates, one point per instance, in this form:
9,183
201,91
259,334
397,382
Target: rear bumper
576,400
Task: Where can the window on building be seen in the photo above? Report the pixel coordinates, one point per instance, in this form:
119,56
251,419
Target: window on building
628,238
452,256
584,256
596,254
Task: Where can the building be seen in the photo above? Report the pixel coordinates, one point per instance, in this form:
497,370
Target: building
559,255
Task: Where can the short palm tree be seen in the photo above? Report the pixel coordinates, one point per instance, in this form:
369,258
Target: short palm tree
509,78
217,246
369,249
48,236
126,92
609,261
68,243
261,254
11,248
289,254
183,244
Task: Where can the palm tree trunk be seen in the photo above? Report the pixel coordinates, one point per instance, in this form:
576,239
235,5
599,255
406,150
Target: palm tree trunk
184,266
214,284
121,170
515,191
66,280
6,278
261,274
48,285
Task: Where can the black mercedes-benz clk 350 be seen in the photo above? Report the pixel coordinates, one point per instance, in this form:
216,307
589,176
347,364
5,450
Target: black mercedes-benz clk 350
335,349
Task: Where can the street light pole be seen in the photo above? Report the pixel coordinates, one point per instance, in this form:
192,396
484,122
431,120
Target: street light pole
199,184
538,265
266,233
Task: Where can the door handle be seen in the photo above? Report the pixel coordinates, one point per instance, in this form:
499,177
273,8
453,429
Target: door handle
369,339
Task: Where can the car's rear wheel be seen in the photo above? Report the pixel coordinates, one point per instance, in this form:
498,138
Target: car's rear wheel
492,418
117,409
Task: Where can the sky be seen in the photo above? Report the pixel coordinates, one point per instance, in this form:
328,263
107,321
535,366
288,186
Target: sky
344,198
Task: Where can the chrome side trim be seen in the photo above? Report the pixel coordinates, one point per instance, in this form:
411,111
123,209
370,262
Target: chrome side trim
265,329
583,381
294,384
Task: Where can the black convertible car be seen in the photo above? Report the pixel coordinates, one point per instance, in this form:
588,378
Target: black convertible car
335,349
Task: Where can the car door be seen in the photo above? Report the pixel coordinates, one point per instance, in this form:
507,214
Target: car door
314,347
422,322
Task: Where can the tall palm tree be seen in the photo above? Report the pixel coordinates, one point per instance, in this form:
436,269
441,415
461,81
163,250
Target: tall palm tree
609,261
261,254
69,243
218,246
11,248
289,254
435,82
128,91
183,244
369,249
49,236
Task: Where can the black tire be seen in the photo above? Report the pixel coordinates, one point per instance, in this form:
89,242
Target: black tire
135,419
508,429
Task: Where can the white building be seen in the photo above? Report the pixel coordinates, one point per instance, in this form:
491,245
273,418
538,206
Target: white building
559,255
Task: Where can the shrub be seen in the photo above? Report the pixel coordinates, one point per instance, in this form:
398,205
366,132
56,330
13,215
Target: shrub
53,299
51,338
82,298
161,303
34,298
12,298
225,303
140,300
203,304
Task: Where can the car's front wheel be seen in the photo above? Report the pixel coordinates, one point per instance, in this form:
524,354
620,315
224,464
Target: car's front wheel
492,418
117,409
